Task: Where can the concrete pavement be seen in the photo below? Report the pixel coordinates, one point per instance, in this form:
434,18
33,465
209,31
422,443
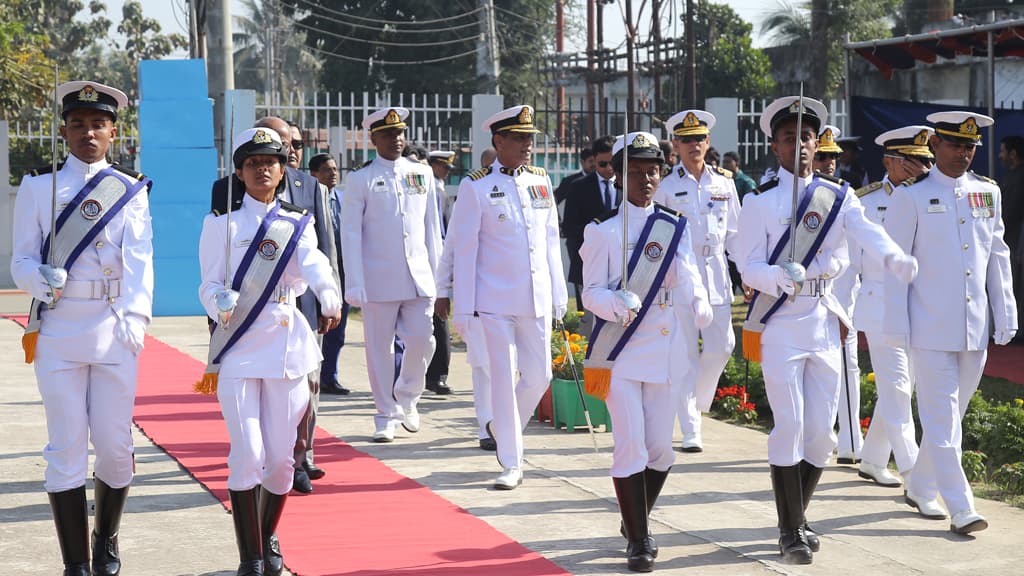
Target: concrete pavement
716,514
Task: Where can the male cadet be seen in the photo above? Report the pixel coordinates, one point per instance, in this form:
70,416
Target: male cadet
441,162
845,289
706,197
951,220
634,358
906,156
391,244
85,340
305,191
508,269
797,339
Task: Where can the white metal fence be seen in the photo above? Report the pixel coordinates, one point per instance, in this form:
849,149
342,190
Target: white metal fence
30,146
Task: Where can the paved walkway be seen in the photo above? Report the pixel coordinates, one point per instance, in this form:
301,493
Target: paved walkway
716,515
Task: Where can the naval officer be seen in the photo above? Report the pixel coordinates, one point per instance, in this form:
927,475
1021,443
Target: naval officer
706,196
951,220
797,339
391,245
261,354
85,342
645,379
508,270
891,432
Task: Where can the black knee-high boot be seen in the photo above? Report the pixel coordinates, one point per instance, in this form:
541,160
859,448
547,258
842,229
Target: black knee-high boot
789,504
109,508
71,517
809,477
271,507
246,516
631,493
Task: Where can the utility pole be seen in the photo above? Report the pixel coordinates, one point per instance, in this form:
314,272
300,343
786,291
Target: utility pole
601,63
559,53
691,56
487,60
591,28
656,39
220,64
630,64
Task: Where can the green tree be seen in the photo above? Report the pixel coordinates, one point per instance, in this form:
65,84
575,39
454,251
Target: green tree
727,63
24,67
294,67
143,41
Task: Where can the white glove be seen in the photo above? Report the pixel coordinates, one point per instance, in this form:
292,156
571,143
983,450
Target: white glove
330,303
1003,337
703,315
902,266
623,315
355,297
896,341
783,281
39,289
560,310
460,323
131,331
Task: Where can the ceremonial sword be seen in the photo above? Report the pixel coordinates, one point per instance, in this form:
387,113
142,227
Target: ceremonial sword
226,298
794,269
55,278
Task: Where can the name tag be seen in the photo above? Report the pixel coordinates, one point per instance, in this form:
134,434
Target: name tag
982,212
683,193
936,208
496,198
785,221
379,185
243,243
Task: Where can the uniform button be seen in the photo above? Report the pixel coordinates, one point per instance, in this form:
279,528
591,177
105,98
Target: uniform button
968,298
531,248
965,246
284,322
968,272
662,305
963,220
405,234
664,331
111,300
99,244
106,272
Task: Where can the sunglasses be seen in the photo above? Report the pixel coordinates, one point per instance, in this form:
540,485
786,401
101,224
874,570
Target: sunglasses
604,163
691,139
298,144
823,156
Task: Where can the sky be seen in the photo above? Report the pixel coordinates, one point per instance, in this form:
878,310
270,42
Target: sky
172,18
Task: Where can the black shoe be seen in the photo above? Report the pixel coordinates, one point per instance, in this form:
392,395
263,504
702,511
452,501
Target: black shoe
847,461
491,437
333,388
301,483
312,471
439,388
488,444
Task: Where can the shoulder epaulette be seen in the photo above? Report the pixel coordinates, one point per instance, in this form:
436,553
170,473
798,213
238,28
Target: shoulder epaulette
43,170
127,171
912,181
864,191
829,178
983,178
606,216
537,170
478,174
364,165
292,207
724,172
667,210
766,186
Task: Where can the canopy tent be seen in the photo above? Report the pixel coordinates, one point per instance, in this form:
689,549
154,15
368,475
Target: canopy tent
989,41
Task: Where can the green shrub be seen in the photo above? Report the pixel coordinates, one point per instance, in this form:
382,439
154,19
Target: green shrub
974,465
977,423
1004,441
1010,477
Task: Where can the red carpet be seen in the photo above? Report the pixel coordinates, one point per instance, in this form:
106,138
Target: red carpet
369,521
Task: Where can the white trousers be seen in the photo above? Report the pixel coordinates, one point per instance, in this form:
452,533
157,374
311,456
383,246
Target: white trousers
476,356
516,343
709,351
803,391
412,321
83,402
945,383
642,422
892,424
848,414
262,416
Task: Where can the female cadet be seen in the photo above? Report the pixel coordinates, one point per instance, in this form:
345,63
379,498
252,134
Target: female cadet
646,376
262,347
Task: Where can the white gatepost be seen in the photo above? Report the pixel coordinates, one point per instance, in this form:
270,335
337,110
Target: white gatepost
7,193
725,135
484,106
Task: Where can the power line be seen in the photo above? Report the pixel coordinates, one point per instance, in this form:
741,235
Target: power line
311,5
383,43
392,62
399,23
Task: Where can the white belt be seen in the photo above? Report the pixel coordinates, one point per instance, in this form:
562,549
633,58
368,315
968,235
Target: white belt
712,249
93,289
816,287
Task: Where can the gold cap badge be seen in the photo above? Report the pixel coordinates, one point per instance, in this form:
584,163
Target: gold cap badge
392,118
969,128
525,117
640,141
88,94
691,121
922,138
261,137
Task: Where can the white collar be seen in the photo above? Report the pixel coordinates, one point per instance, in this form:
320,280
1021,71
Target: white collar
75,164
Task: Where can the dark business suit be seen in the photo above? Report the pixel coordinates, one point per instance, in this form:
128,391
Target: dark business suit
305,191
584,202
563,187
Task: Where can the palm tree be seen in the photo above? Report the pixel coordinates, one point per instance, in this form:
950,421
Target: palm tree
789,23
293,68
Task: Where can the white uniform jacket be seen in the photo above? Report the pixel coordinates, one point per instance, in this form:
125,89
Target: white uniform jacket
764,218
652,353
712,209
870,307
954,226
505,231
280,342
82,330
390,230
